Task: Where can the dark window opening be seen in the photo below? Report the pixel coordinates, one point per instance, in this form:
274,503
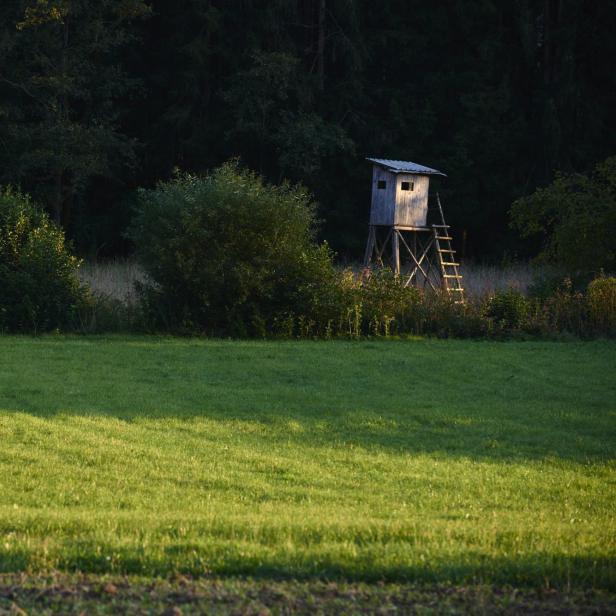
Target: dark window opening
381,184
408,185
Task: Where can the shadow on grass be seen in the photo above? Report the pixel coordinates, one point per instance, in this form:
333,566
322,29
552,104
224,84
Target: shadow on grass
455,398
533,435
538,570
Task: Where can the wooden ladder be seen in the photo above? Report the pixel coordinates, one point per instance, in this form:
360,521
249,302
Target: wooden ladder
452,279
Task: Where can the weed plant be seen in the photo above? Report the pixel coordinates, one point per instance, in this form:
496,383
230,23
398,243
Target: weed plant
378,306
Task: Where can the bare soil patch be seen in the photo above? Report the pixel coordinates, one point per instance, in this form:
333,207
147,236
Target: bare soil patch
22,594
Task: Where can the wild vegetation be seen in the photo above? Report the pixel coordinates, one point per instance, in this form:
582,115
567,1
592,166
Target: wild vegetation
576,217
228,254
39,288
437,461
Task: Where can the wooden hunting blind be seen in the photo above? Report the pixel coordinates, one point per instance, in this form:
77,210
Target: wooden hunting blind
399,216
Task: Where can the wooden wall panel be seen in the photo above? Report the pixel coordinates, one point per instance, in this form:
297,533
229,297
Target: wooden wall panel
383,200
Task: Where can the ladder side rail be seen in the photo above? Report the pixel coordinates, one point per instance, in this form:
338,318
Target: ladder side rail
440,259
456,278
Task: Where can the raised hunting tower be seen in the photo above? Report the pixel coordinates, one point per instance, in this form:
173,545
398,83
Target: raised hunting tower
399,215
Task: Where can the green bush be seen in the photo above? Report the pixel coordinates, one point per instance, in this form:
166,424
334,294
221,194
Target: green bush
508,309
565,311
379,305
104,314
229,254
601,298
387,307
549,281
39,289
447,318
575,216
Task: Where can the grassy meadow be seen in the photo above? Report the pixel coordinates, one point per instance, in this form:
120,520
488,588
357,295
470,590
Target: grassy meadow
427,461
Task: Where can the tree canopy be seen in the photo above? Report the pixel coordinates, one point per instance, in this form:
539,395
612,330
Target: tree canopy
576,218
99,97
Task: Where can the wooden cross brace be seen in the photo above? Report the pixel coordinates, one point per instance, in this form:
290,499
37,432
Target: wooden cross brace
424,256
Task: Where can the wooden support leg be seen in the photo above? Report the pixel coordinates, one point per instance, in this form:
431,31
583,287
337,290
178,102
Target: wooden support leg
428,268
381,250
370,246
395,252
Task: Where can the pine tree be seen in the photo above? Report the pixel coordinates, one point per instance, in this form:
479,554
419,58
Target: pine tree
61,81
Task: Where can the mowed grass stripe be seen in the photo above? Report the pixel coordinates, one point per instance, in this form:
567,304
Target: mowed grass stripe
421,460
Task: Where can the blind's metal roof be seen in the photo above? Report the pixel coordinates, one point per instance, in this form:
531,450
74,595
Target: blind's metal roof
404,166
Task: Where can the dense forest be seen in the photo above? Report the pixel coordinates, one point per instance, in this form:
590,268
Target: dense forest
100,97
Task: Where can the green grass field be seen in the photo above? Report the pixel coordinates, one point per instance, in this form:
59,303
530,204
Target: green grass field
425,461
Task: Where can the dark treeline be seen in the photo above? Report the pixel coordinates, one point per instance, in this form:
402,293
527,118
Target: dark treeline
99,97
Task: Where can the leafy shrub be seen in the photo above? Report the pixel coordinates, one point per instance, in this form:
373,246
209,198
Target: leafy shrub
545,282
229,254
39,287
601,297
508,309
387,307
576,218
380,305
549,281
565,311
448,318
104,313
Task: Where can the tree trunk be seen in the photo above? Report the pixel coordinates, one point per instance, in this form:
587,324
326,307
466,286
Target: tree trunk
58,206
321,47
547,42
57,202
67,209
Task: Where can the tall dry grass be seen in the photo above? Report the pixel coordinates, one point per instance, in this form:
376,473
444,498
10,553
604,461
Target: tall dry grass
113,279
481,280
116,279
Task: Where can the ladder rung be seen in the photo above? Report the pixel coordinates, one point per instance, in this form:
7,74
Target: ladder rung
456,289
443,237
452,276
441,226
445,250
450,263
